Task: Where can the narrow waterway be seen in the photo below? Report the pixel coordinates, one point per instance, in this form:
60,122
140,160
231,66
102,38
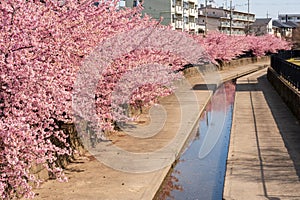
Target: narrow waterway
199,172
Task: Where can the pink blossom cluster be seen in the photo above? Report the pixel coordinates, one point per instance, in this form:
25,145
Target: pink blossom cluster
145,76
227,47
42,45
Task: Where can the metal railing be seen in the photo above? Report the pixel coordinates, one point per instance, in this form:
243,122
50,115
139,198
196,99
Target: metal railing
289,54
288,70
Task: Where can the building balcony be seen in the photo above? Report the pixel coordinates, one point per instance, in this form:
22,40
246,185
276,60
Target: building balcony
192,25
225,24
186,26
186,13
178,9
242,26
234,25
243,18
178,24
193,12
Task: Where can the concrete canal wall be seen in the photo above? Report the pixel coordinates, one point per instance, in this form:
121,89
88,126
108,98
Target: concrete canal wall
289,94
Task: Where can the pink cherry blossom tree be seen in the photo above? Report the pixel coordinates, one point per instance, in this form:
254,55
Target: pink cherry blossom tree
42,46
227,47
261,45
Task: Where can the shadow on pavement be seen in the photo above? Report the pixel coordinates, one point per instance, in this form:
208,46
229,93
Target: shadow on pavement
271,159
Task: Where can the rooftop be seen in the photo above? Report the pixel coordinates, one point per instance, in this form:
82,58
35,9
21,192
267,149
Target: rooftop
292,24
202,7
261,21
279,24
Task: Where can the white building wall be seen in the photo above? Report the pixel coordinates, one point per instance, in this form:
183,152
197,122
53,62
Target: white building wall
180,14
289,17
270,29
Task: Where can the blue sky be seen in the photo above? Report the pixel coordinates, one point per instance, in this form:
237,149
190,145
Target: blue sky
261,7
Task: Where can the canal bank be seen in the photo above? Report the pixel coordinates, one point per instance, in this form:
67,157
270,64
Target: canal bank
263,158
90,179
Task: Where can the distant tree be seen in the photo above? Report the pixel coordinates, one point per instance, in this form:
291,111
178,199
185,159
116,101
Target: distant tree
258,31
296,38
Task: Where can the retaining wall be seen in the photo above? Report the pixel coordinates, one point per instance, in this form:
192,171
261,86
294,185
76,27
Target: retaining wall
289,94
225,65
242,61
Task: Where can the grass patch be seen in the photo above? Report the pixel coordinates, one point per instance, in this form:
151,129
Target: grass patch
295,61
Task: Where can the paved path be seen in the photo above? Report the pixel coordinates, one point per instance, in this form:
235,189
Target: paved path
90,179
264,152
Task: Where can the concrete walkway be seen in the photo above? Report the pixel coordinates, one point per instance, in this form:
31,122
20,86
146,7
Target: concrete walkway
264,153
91,179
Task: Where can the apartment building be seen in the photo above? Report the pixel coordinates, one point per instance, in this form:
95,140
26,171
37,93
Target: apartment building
227,21
289,17
180,14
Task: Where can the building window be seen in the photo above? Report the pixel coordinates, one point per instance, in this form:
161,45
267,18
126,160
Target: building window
185,5
173,18
173,3
136,2
186,20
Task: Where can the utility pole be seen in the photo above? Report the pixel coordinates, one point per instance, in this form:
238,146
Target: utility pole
230,30
205,23
183,22
248,18
268,28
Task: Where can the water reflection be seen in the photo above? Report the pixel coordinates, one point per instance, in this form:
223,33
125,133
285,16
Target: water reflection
170,184
199,175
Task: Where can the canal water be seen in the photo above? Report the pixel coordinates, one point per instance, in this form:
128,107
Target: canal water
200,171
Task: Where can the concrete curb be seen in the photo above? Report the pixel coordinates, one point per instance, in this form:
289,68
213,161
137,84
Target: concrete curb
161,179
